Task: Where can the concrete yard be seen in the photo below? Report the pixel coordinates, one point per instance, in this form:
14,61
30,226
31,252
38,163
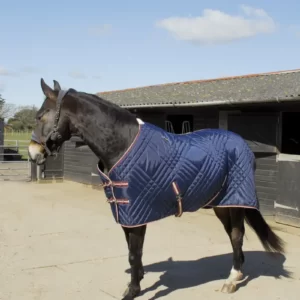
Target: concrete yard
60,241
15,170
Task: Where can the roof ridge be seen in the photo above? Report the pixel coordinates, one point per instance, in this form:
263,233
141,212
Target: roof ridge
204,80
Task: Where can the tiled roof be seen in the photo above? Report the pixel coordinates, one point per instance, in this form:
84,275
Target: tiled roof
265,87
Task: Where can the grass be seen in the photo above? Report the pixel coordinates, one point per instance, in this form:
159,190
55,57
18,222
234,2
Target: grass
17,136
18,139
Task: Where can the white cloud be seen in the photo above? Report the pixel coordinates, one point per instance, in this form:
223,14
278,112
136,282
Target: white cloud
217,27
295,29
6,72
28,69
2,87
100,30
77,75
80,75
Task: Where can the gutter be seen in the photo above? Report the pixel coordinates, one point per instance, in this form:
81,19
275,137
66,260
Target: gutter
212,103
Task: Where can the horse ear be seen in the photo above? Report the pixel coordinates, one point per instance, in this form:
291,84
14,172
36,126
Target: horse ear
48,92
56,86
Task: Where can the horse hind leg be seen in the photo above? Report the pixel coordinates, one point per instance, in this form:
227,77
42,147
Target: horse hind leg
233,222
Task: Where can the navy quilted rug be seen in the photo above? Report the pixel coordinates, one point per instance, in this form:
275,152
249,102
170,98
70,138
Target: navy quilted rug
205,168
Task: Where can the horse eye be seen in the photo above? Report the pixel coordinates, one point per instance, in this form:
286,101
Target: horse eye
39,117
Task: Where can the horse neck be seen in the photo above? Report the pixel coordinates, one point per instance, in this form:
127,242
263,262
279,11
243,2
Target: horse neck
106,128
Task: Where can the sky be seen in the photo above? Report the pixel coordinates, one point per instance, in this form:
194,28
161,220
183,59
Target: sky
96,46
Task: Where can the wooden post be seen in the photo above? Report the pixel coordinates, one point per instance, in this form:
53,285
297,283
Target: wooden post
34,176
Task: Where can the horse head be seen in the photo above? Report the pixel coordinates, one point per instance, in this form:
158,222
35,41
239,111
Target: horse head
52,125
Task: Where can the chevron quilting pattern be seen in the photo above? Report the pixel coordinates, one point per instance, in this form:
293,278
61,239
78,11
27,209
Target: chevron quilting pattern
211,167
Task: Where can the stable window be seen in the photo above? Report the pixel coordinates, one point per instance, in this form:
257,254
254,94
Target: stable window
179,123
290,138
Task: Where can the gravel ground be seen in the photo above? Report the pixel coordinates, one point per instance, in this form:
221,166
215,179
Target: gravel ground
59,241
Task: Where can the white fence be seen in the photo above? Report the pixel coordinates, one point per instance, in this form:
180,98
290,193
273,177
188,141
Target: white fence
20,146
11,132
1,138
14,161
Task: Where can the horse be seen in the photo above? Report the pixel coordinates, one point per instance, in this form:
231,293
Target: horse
149,174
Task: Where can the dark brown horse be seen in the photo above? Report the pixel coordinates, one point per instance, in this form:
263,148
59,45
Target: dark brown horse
109,131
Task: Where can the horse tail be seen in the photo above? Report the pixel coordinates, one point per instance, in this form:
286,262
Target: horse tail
270,241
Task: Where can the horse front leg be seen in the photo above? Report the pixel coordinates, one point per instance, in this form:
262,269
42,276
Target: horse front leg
135,240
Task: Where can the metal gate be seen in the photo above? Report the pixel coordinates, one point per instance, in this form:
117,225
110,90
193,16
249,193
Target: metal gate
14,161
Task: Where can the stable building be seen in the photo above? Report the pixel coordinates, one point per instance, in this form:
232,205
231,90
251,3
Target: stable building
263,108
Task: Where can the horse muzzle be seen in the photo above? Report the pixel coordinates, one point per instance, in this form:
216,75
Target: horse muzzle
36,153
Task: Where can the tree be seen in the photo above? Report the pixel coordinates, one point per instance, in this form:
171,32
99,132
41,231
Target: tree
24,118
2,102
7,110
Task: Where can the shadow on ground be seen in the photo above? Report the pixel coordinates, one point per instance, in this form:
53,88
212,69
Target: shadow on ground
191,273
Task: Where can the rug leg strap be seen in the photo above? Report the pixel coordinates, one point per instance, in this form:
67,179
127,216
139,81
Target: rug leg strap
179,199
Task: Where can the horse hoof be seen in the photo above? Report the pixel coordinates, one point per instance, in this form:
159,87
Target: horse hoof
228,288
126,292
127,298
131,292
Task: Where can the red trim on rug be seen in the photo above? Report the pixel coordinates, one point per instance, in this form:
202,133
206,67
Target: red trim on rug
215,196
127,151
134,226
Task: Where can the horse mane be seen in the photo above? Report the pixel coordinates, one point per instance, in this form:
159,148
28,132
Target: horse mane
113,109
